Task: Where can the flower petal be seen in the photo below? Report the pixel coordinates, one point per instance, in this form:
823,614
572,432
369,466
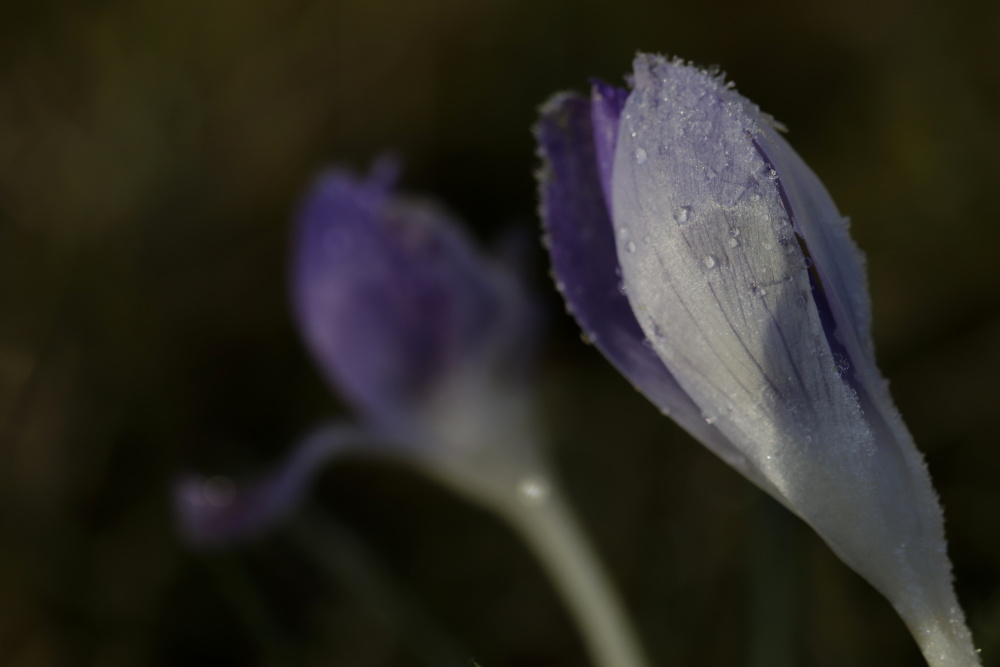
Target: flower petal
581,244
688,183
209,516
606,104
838,261
719,282
392,298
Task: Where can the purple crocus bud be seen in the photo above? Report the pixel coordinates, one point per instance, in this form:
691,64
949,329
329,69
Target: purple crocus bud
711,267
431,341
394,301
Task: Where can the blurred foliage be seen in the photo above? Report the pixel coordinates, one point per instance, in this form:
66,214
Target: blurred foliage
151,155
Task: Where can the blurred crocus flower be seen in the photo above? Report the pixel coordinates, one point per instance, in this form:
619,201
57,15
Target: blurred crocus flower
710,266
434,345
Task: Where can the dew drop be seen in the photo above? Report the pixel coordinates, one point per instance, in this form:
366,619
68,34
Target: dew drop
808,262
623,233
682,214
709,262
733,242
622,289
630,246
640,156
645,239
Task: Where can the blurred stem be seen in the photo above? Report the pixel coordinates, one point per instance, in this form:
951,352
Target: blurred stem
775,581
553,533
343,555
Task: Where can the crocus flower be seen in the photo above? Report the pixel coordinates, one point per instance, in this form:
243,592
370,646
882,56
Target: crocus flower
710,266
433,344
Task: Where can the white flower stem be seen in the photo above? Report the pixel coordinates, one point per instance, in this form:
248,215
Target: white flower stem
552,532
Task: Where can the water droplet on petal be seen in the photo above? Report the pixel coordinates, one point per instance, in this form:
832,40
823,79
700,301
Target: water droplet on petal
709,262
808,262
733,243
682,214
630,246
640,156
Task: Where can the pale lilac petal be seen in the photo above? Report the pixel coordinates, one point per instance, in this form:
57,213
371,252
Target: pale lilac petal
582,247
713,229
838,261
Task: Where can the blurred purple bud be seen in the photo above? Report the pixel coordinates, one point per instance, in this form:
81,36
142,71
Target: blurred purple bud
431,341
393,299
712,268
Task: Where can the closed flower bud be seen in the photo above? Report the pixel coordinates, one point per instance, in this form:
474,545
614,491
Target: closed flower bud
742,311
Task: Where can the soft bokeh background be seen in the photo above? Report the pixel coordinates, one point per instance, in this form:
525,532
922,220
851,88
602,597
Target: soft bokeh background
151,154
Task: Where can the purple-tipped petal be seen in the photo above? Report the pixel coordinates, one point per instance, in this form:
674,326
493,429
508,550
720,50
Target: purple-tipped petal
215,512
606,104
392,298
582,247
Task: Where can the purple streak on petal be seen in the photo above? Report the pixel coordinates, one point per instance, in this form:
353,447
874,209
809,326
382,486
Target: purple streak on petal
838,273
606,104
837,259
391,297
840,292
214,512
582,248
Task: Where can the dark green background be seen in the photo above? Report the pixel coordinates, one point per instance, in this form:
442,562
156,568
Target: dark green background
151,154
